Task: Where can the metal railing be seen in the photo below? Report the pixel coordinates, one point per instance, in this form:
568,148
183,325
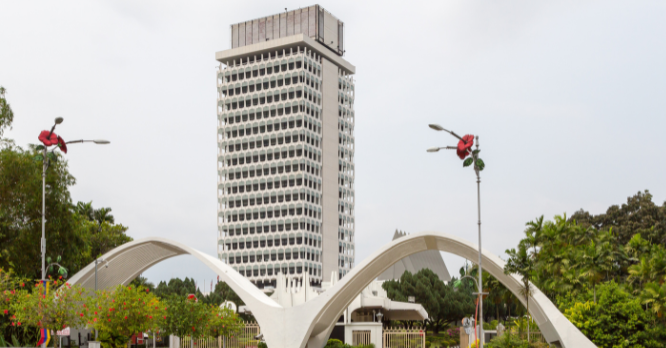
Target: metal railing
403,338
244,339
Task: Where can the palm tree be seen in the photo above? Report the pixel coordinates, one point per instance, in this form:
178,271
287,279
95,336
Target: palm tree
85,210
641,271
103,215
496,291
595,261
522,264
142,281
533,234
654,295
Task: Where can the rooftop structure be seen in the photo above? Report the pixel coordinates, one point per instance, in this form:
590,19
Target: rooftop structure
314,22
431,259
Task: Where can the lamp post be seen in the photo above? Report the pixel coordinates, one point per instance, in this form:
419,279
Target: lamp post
465,152
48,138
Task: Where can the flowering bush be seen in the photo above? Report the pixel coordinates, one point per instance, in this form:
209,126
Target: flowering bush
125,311
8,284
53,305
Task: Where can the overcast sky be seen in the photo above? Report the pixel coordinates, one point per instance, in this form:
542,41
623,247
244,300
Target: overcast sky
568,98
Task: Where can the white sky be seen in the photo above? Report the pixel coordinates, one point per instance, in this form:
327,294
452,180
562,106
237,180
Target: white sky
568,98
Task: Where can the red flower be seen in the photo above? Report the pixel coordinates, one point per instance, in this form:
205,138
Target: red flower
22,284
81,314
63,148
109,319
6,311
125,318
19,323
464,145
46,140
61,276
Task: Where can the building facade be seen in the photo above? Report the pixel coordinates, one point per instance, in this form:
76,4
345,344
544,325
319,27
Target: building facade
286,148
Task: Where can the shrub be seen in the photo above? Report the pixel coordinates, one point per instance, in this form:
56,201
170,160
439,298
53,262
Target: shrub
617,319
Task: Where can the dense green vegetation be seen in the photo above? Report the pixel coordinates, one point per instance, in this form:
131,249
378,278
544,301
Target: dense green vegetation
445,304
606,272
75,233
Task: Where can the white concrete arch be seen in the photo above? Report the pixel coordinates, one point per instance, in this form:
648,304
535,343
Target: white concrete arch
129,260
310,324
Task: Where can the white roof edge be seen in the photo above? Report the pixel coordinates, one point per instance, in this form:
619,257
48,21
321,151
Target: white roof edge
290,41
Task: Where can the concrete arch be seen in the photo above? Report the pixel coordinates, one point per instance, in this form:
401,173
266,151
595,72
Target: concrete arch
310,324
554,326
129,260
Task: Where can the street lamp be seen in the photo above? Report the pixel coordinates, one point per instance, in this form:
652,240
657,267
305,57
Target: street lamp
465,152
48,138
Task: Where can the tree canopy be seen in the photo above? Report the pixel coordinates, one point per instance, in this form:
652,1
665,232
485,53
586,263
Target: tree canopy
74,238
443,303
607,272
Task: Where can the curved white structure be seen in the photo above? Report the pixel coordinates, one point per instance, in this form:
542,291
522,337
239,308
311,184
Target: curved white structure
310,324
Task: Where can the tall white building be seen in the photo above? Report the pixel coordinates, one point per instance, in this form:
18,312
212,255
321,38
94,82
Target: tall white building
286,148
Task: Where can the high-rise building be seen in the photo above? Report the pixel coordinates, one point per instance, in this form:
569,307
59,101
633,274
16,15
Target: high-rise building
286,148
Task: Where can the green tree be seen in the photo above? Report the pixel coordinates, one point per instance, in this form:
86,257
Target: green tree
20,214
522,264
443,303
221,294
188,317
123,312
55,309
143,282
616,320
654,295
68,234
638,216
6,113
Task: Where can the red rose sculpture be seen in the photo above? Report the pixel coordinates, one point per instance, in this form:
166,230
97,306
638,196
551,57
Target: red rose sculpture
464,145
63,147
46,140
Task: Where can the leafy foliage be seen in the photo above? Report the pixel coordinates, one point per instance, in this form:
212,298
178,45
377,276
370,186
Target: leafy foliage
180,287
6,113
617,319
54,309
123,312
443,303
190,318
638,216
579,262
69,234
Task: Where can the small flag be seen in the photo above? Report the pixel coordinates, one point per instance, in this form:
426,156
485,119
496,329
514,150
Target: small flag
45,337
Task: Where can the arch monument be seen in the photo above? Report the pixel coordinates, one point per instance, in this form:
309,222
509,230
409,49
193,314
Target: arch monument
310,324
